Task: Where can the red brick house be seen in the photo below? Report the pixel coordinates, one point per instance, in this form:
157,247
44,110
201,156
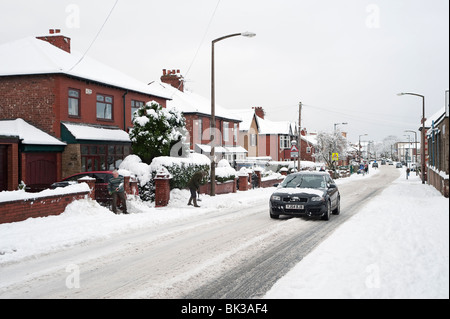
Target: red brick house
197,111
274,139
71,97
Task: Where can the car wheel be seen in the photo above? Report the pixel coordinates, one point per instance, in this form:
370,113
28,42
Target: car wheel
337,210
328,213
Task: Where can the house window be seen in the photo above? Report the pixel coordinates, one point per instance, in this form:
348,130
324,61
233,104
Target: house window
102,157
135,105
308,150
74,103
252,139
104,107
226,132
284,141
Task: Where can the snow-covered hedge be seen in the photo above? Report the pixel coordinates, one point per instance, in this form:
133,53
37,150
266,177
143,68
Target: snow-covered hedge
181,170
224,172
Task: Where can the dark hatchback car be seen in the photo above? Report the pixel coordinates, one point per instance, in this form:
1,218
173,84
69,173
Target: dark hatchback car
306,194
101,184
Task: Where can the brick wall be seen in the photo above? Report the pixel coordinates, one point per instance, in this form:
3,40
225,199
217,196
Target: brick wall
221,188
31,98
41,206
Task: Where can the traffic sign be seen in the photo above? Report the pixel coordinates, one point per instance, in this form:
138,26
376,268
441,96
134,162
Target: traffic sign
294,151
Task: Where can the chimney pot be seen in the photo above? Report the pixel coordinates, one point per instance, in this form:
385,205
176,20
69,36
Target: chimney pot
57,30
164,71
51,31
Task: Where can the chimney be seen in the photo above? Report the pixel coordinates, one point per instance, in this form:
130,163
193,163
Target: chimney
57,39
259,111
174,78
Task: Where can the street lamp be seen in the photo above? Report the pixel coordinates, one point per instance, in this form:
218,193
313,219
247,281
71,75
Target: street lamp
422,143
360,146
407,148
213,96
415,143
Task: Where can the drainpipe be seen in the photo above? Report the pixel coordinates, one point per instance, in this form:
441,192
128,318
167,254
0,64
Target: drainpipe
124,111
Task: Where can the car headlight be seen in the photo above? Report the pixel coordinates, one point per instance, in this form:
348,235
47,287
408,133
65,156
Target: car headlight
276,197
317,199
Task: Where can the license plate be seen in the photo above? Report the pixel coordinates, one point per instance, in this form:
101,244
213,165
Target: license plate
289,206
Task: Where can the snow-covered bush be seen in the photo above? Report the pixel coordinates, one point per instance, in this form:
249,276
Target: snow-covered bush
224,172
157,131
181,170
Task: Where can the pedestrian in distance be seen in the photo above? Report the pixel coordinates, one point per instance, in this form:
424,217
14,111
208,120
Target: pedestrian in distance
194,186
117,190
407,172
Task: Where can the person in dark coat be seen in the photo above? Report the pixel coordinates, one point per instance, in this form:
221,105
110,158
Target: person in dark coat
194,186
117,190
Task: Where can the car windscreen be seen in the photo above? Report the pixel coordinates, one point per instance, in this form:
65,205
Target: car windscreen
303,181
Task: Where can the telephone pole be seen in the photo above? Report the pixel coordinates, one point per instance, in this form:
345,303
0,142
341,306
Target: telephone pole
299,134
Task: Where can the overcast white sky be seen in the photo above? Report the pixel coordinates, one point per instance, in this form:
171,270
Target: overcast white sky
345,60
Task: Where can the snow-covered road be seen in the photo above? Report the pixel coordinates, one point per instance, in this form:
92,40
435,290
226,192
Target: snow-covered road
220,253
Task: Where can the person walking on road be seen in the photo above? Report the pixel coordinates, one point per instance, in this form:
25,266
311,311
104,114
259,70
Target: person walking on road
117,190
194,186
407,172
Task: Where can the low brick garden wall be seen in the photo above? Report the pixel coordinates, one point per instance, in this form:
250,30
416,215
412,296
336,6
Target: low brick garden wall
35,205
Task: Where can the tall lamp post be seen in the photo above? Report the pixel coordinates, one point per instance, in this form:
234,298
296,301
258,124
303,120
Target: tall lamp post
360,146
213,103
422,143
415,144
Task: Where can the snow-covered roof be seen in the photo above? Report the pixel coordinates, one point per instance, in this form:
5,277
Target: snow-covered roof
26,132
89,132
271,127
435,117
190,102
33,56
246,116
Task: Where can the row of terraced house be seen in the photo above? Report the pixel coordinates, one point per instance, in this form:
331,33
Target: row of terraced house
62,113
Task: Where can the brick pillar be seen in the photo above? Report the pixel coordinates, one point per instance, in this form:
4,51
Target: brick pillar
126,184
234,185
258,173
162,188
91,183
134,188
243,182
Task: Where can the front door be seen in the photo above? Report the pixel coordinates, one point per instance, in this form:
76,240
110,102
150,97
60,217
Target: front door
40,170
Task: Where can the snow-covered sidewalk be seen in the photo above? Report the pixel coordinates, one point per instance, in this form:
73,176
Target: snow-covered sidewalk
396,247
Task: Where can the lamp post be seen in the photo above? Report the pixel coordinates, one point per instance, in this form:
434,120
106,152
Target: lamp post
415,143
407,148
360,147
422,143
213,115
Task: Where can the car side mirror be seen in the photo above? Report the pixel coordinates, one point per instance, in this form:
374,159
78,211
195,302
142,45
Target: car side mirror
331,185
